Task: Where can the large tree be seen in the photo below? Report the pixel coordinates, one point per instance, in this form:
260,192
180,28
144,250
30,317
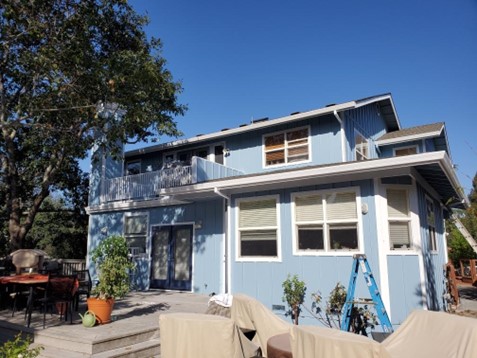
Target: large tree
61,62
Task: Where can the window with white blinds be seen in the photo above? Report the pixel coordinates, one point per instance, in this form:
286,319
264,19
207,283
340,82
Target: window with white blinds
258,226
399,219
326,221
135,232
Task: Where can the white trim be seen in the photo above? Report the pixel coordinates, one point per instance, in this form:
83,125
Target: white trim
342,135
131,214
432,201
405,147
408,138
355,148
326,250
285,148
383,243
444,235
278,258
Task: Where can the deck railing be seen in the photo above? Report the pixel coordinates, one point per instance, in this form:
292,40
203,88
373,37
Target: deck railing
148,185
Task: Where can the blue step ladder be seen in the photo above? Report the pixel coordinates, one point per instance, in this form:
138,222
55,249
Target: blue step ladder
360,260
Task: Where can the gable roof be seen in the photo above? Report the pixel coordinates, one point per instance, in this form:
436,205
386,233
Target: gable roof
435,131
384,101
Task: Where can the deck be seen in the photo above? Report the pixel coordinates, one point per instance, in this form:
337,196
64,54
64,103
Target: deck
134,331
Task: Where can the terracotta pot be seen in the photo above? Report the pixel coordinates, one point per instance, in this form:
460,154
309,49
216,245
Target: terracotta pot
101,308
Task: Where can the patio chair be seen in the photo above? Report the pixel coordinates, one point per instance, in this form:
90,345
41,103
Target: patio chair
60,293
84,285
203,335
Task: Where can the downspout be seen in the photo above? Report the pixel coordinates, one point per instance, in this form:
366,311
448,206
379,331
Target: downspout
342,132
226,239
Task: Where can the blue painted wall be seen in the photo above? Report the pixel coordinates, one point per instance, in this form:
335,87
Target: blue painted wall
263,279
387,150
207,242
369,122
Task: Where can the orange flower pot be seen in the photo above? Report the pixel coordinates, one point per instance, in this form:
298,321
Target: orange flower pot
101,308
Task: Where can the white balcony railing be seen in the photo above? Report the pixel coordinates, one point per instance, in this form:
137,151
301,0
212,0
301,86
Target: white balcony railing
145,185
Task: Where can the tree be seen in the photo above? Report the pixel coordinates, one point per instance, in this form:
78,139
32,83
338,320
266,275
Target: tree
61,63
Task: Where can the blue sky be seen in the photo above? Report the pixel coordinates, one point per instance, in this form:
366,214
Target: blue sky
252,59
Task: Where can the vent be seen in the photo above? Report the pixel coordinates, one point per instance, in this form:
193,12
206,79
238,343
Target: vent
293,113
199,135
224,129
243,125
331,105
260,120
278,308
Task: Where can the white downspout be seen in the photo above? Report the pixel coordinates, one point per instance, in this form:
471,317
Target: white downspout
342,133
226,253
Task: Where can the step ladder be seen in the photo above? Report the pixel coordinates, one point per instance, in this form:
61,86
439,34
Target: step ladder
360,260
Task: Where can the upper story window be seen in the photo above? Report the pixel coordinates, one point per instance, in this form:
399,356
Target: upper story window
135,232
399,218
431,225
258,228
398,152
326,221
361,146
287,147
133,167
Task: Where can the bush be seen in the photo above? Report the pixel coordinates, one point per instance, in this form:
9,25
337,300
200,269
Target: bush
294,291
19,348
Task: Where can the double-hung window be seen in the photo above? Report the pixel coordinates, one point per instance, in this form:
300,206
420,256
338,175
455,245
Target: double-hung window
135,232
431,225
258,228
399,218
326,221
287,147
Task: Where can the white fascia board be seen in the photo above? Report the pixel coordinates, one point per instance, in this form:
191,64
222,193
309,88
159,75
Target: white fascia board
345,169
448,168
251,127
408,138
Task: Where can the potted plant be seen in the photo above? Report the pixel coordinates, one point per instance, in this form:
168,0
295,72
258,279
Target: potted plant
113,265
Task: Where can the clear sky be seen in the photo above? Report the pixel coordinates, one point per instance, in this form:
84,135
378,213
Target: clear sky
239,60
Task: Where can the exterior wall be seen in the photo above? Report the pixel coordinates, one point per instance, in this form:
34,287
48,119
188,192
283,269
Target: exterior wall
320,272
246,150
388,150
208,240
368,121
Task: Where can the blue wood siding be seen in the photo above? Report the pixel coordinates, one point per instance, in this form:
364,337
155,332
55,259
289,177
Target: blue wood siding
368,121
434,261
387,151
264,279
246,150
207,242
404,286
204,170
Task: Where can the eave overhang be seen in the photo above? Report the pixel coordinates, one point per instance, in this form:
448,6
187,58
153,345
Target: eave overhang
434,168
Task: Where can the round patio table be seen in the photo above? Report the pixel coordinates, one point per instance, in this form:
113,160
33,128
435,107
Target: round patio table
279,346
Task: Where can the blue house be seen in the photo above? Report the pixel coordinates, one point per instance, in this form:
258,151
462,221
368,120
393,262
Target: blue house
239,209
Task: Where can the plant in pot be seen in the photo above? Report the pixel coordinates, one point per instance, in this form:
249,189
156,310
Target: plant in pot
113,266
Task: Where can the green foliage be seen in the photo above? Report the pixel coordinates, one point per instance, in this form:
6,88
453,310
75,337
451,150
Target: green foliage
112,261
294,294
19,347
74,75
362,317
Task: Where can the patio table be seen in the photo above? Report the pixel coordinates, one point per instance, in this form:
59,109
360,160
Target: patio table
29,281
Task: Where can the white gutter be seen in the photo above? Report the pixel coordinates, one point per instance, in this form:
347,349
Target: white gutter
407,138
227,245
342,134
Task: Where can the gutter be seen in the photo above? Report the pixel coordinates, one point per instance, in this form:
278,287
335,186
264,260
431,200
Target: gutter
227,245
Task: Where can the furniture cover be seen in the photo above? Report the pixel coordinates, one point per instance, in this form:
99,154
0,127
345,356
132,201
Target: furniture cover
250,314
434,334
313,341
202,335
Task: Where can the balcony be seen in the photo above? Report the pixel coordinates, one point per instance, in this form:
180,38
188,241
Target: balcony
148,185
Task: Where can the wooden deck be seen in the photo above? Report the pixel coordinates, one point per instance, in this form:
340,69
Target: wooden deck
134,331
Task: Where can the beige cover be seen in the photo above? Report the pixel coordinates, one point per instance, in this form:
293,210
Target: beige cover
312,341
187,335
250,314
434,334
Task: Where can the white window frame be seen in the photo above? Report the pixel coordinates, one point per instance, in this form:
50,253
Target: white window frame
327,251
146,234
433,248
357,151
239,258
285,148
138,161
210,149
409,219
406,147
